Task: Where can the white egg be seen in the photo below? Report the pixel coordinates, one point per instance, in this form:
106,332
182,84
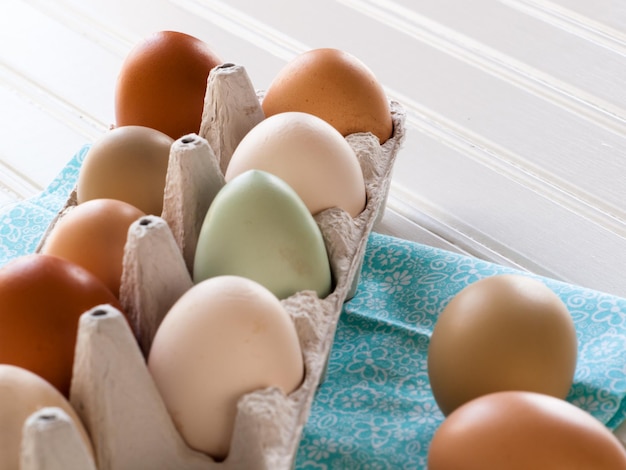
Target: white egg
308,154
225,337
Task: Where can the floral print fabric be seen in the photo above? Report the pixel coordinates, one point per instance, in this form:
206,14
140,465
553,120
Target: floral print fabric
375,408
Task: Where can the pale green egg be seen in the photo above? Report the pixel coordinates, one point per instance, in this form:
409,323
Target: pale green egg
259,228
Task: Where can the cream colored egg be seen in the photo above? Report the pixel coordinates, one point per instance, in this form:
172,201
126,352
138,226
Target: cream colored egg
308,154
225,337
21,394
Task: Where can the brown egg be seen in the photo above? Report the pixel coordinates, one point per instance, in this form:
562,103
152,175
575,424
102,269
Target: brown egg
162,83
22,393
506,332
41,300
516,430
129,164
93,235
335,86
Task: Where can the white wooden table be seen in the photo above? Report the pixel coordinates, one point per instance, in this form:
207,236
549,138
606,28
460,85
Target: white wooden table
516,146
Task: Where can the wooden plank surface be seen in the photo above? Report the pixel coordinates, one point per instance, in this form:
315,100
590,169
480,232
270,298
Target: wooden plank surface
516,109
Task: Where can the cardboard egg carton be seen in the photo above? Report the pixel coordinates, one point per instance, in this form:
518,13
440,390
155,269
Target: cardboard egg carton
112,390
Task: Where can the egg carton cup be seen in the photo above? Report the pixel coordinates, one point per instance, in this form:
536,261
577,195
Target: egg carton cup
112,390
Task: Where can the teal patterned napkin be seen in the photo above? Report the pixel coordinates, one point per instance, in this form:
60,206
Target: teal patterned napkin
375,408
23,224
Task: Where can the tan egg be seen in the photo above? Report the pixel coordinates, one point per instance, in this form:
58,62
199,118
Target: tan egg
129,164
516,430
335,86
21,394
309,155
93,235
225,337
506,332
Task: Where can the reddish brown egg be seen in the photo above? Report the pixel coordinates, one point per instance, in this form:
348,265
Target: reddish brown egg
162,83
93,235
516,430
335,86
41,300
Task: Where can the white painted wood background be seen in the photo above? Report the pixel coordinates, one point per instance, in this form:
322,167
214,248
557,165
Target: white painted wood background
516,146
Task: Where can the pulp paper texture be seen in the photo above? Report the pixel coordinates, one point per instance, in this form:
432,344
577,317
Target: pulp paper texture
375,406
268,425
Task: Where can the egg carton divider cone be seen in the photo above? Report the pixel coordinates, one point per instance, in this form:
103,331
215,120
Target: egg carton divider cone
112,389
51,441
